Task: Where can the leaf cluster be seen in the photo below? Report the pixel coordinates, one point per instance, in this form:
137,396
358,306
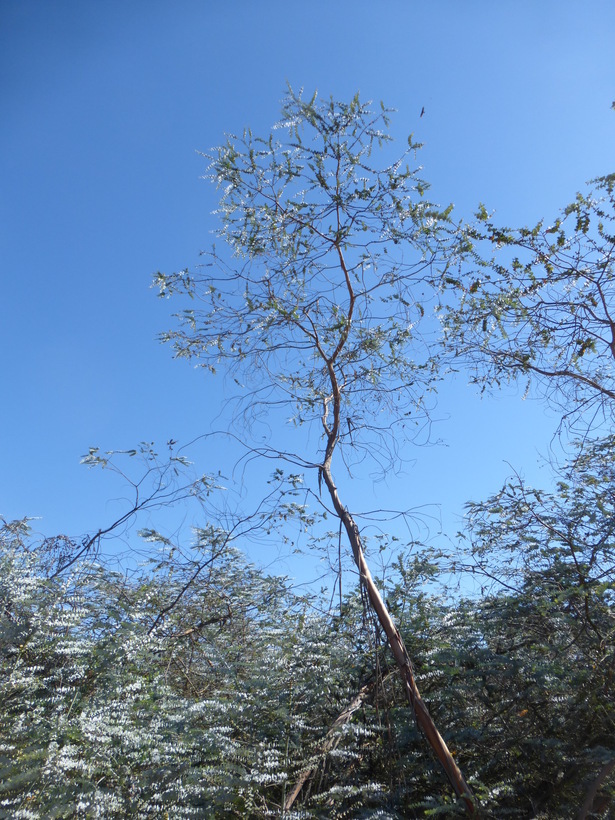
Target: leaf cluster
537,305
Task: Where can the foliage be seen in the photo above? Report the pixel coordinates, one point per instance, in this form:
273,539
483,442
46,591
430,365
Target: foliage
555,552
207,714
538,305
330,270
212,713
219,708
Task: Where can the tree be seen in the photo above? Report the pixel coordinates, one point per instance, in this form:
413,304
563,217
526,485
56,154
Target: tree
540,309
322,309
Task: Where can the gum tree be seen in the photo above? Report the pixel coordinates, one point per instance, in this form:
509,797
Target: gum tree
319,306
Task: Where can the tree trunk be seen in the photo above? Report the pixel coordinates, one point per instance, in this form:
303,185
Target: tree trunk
588,804
421,713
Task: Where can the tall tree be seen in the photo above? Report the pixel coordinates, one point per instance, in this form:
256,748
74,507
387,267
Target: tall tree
323,307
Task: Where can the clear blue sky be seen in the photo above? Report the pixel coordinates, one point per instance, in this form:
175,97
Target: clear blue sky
104,106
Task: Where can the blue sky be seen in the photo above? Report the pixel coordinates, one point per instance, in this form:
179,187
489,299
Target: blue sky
105,106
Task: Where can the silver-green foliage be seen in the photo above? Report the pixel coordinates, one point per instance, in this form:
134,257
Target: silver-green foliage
537,304
89,725
219,709
108,710
329,248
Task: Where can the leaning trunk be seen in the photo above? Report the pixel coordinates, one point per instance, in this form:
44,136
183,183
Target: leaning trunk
421,713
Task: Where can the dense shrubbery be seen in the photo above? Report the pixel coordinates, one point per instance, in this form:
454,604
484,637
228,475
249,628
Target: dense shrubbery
216,709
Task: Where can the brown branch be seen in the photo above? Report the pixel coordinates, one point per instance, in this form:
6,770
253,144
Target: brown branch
396,643
513,362
332,738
